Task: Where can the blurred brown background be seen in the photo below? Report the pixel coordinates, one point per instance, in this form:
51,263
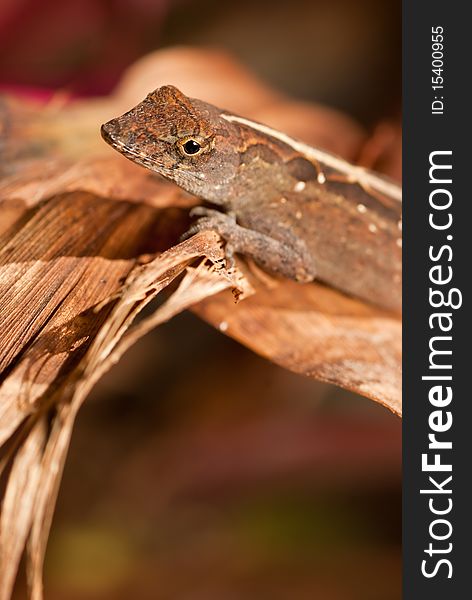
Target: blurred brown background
199,471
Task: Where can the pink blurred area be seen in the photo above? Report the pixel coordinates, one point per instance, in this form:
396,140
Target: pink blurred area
83,46
338,52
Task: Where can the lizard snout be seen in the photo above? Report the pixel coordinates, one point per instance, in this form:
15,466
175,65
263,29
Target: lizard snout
109,131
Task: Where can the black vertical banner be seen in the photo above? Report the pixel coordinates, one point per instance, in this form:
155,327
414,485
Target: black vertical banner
437,256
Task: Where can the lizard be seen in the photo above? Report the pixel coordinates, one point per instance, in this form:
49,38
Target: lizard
298,211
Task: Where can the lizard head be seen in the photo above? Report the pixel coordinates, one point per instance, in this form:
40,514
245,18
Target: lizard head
182,139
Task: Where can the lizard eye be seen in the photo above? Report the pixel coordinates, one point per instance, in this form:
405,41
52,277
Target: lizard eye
191,147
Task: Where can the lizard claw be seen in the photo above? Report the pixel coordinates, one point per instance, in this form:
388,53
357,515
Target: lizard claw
200,211
213,220
209,218
192,230
204,211
229,256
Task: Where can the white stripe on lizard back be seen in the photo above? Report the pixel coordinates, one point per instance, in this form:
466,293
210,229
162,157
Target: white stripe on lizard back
359,174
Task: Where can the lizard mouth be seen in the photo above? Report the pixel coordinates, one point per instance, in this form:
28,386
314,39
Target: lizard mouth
111,134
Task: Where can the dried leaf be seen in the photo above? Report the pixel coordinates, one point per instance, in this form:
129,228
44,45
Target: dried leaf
316,331
20,495
89,239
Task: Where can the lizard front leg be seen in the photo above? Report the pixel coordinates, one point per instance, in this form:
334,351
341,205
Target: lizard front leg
271,254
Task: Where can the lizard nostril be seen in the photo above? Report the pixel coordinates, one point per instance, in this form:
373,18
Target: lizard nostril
107,130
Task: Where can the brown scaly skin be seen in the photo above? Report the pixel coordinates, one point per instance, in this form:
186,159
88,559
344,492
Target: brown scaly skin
298,211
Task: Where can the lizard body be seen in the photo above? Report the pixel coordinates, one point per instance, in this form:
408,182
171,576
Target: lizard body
298,211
